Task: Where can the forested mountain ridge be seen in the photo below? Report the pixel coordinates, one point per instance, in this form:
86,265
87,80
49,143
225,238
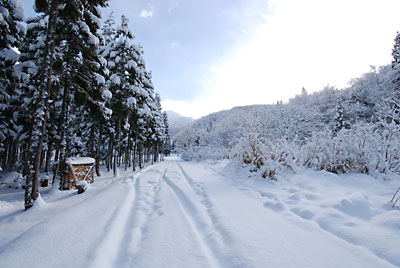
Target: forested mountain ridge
350,130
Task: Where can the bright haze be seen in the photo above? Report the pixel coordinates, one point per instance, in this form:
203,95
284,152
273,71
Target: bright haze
209,55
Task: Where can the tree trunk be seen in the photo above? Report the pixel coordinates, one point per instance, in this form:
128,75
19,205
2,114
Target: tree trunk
155,157
42,158
98,150
39,125
134,156
148,154
140,154
110,152
63,140
117,125
49,154
55,165
126,157
91,142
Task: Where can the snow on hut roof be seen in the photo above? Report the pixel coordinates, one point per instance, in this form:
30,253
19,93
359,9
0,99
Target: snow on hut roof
80,160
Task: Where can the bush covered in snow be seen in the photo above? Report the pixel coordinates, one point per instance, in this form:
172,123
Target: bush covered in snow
364,148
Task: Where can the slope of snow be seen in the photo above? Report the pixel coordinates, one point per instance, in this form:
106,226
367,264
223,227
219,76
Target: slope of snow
177,122
184,214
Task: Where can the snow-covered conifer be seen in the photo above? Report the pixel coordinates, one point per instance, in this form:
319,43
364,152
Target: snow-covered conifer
11,36
339,120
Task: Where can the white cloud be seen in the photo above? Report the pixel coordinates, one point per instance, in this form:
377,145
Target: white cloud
194,109
206,82
306,43
175,45
146,13
214,69
172,5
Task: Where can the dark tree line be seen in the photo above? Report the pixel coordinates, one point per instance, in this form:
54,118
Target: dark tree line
75,88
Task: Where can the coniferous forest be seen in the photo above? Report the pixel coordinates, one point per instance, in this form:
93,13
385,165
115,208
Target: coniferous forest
72,86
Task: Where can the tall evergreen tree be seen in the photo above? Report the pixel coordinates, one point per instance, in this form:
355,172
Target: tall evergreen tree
167,141
29,77
120,54
70,15
396,60
49,8
394,101
396,67
11,35
339,120
78,41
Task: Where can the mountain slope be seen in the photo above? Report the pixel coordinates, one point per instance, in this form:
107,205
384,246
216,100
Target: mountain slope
177,122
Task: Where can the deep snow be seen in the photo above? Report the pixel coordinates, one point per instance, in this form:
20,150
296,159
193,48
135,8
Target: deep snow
185,214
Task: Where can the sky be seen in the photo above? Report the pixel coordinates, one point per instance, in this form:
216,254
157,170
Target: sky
210,55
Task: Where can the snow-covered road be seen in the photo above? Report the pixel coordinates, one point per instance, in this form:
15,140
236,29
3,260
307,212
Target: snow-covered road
173,214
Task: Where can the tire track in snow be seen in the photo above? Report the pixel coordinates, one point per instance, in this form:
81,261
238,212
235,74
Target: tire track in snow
205,200
121,243
107,252
143,209
211,236
61,210
77,223
199,229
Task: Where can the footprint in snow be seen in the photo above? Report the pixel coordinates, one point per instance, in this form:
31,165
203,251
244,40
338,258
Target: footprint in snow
305,214
268,195
274,206
355,208
207,204
158,209
350,224
294,197
312,197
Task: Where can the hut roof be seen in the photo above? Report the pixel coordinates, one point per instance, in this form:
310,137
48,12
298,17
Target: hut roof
80,160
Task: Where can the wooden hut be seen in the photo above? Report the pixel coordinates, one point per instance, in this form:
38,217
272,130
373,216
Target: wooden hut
80,168
166,151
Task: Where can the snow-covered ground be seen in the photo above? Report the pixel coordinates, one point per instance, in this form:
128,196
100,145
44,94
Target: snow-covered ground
185,214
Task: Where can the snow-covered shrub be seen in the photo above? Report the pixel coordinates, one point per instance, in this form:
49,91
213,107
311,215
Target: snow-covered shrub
249,148
270,157
364,148
279,155
203,152
12,180
345,152
201,145
82,186
388,159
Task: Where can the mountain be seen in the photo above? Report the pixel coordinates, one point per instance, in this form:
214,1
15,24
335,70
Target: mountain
177,122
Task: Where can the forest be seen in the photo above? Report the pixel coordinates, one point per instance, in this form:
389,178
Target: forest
352,130
86,179
70,86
